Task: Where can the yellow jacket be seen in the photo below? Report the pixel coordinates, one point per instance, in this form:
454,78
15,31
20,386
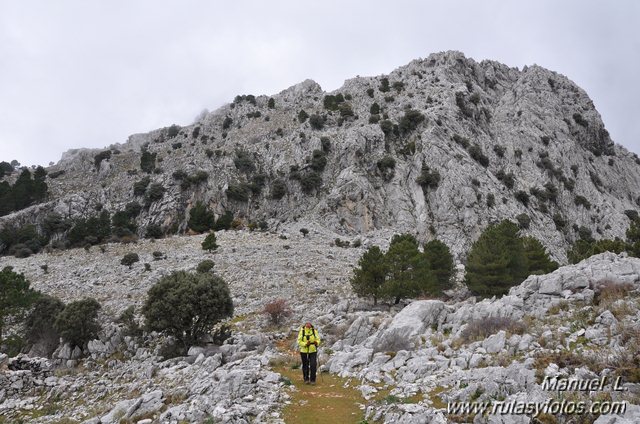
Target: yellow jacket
308,335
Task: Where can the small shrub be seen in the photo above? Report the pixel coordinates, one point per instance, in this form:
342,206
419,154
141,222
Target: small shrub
384,85
244,162
475,151
302,116
316,121
523,221
277,310
104,155
205,266
271,104
480,329
209,244
278,189
129,259
582,201
238,192
153,231
428,179
157,255
154,193
318,160
522,197
310,181
499,150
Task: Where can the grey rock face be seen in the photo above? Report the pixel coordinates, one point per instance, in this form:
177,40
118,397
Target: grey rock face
532,123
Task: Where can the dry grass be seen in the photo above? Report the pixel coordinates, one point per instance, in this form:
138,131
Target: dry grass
480,329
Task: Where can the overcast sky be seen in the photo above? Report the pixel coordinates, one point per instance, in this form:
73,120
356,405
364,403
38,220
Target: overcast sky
90,73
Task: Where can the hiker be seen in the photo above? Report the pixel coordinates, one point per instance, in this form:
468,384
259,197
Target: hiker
308,340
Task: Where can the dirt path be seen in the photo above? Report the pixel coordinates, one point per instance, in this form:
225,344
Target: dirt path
332,400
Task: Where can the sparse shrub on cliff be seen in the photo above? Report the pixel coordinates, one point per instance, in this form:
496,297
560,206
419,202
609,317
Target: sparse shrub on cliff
310,181
302,116
316,121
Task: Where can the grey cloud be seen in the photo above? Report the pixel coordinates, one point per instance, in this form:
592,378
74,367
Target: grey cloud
88,74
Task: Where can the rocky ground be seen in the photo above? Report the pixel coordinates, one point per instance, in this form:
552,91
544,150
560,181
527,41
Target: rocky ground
581,321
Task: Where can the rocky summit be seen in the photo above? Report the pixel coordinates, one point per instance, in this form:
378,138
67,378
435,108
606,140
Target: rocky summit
440,147
309,181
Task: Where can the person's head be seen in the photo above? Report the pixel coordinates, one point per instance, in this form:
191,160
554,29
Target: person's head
308,324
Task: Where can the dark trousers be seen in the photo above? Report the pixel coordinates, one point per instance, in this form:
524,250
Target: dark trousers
309,365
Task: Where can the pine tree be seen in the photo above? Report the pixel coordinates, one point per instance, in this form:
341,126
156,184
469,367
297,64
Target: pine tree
440,260
496,261
370,275
409,273
538,261
39,184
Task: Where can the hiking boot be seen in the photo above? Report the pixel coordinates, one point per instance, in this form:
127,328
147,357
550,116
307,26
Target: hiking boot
313,383
307,382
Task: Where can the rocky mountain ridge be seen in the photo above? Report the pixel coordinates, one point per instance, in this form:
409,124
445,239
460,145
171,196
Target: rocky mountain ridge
440,147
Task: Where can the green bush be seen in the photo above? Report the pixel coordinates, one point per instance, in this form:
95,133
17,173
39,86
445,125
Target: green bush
522,197
523,221
582,201
318,160
209,243
154,231
147,161
140,187
244,162
384,85
332,103
386,166
173,130
310,181
205,266
428,179
316,121
129,259
302,116
476,153
154,193
224,221
278,189
410,121
186,306
440,260
239,192
39,323
271,104
78,322
200,218
374,109
104,155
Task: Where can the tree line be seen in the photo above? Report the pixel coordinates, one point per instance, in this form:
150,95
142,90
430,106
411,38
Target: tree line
498,260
